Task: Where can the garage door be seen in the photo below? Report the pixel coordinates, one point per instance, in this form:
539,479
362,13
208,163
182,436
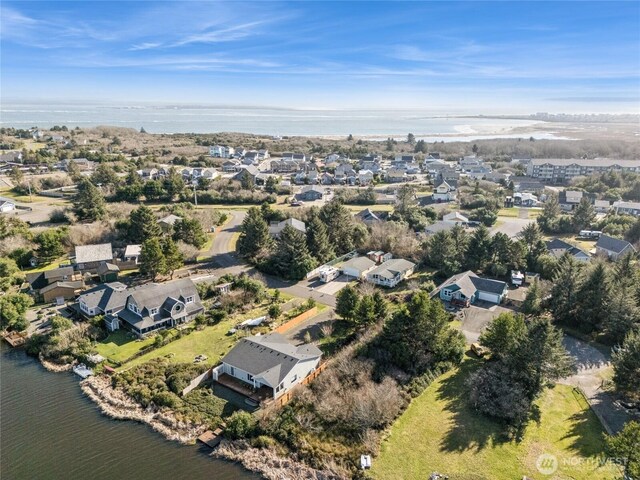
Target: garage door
489,297
352,272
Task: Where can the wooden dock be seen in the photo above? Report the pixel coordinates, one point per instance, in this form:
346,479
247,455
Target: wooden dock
15,339
211,438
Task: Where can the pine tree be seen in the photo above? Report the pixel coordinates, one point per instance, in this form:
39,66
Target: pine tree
564,293
152,261
254,235
318,240
366,311
89,202
442,253
380,306
479,251
550,213
626,365
143,224
291,258
532,304
190,231
584,214
347,302
173,257
595,295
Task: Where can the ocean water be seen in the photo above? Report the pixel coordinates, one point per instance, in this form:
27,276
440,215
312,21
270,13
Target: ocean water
430,126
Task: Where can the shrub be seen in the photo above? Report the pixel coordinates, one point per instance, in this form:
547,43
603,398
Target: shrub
240,425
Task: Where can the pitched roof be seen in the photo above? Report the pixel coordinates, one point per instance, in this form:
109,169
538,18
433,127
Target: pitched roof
359,263
596,162
270,357
557,244
294,222
170,219
455,216
72,285
612,244
391,268
468,283
439,226
132,250
106,267
94,253
58,272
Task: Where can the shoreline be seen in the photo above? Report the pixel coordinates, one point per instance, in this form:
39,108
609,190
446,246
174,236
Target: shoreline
117,405
54,367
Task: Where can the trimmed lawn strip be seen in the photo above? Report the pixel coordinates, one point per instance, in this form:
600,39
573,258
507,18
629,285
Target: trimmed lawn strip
440,432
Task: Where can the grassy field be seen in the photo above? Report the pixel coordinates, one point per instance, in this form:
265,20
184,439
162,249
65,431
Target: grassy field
440,432
120,345
508,212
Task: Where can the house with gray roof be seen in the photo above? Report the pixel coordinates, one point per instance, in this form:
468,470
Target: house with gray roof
142,309
469,287
89,257
558,247
276,227
271,362
357,267
391,273
614,248
627,208
310,193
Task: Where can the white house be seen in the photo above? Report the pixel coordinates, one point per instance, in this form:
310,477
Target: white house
444,193
365,177
627,208
271,362
220,151
132,253
456,217
391,273
276,227
357,267
6,206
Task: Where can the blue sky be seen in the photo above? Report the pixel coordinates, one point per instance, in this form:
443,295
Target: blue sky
480,57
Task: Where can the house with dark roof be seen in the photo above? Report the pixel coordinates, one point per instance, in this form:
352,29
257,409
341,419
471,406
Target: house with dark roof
276,227
614,248
89,257
142,309
271,362
558,247
49,285
444,192
391,273
368,216
310,193
469,287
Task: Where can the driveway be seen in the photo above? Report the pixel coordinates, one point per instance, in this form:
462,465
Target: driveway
510,226
333,287
592,364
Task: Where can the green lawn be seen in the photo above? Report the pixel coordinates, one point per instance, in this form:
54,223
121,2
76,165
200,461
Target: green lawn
508,212
440,432
120,345
50,266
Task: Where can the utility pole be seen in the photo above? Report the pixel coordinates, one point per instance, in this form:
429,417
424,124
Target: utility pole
195,194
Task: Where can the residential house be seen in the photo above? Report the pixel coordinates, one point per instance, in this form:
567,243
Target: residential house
239,153
270,362
497,177
249,172
276,227
6,206
221,151
308,178
455,217
560,170
53,284
627,208
386,199
391,272
89,257
569,199
614,248
525,199
14,156
440,226
83,164
470,161
526,184
371,162
395,175
142,309
167,223
357,267
285,166
403,159
444,192
252,157
603,206
345,173
558,247
132,253
148,173
58,292
478,173
469,287
326,178
310,193
231,166
299,157
365,177
368,216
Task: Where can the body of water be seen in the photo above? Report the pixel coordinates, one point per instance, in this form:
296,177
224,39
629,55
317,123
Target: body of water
50,431
268,121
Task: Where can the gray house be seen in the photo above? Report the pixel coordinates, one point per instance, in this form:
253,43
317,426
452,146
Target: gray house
142,309
469,287
558,247
614,248
310,193
89,257
270,362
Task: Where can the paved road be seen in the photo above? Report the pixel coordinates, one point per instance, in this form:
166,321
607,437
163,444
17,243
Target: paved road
591,363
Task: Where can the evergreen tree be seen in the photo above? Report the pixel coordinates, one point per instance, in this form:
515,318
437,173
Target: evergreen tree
173,257
532,304
341,227
479,251
564,293
504,334
254,238
501,253
89,202
442,254
531,237
291,258
366,312
50,243
626,366
190,231
142,225
318,240
380,306
550,213
347,302
152,261
105,175
584,214
626,445
173,184
623,315
595,299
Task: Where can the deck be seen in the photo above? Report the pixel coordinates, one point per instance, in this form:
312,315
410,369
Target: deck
15,339
211,438
238,386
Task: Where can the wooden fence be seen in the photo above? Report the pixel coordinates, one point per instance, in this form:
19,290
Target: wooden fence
295,321
284,398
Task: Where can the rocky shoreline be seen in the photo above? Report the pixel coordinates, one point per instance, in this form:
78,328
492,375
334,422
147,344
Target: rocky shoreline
270,464
54,367
118,405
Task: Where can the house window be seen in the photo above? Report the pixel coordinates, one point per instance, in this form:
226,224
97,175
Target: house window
133,308
153,311
189,300
249,377
232,371
295,377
